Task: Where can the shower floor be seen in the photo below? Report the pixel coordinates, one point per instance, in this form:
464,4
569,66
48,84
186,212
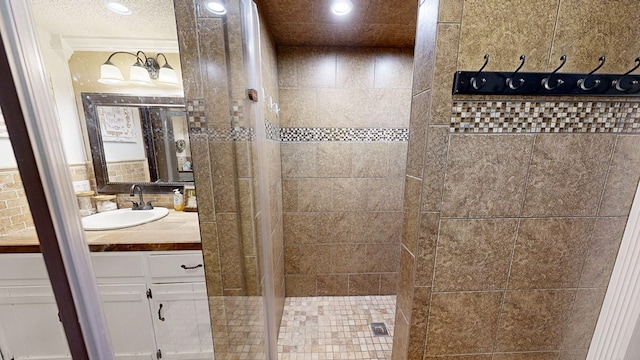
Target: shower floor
336,327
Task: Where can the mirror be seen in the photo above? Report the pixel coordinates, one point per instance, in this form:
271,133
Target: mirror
141,140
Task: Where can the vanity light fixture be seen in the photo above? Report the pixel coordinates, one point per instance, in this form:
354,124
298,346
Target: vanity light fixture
215,7
142,71
118,8
341,7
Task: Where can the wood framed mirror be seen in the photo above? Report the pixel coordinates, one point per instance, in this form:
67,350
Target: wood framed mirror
140,140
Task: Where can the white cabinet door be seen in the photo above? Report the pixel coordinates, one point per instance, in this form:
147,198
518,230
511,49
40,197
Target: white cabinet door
126,308
182,323
32,328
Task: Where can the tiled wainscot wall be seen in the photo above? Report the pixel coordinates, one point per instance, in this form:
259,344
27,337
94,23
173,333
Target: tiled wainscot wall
344,119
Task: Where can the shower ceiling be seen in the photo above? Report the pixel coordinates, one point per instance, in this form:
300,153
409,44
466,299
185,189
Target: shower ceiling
382,23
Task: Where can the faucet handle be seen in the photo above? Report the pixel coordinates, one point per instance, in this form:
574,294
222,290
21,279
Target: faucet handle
148,205
135,206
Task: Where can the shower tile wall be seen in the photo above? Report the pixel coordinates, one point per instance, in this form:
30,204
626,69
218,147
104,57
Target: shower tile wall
509,239
342,198
223,146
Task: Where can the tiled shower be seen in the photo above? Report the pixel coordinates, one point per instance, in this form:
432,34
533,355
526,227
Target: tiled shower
496,221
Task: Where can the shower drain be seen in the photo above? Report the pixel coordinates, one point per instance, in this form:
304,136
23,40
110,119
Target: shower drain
379,329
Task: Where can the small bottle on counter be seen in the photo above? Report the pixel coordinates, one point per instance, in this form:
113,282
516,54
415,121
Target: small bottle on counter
85,205
178,200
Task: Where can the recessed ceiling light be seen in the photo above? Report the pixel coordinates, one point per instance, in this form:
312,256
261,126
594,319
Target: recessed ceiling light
118,8
216,7
342,7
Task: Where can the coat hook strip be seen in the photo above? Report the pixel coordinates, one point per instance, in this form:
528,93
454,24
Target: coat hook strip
545,81
617,82
523,58
596,82
474,80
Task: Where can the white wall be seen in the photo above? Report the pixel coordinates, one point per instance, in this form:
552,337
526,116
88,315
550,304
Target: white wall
7,160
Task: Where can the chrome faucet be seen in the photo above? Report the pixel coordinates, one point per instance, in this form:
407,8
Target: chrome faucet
141,205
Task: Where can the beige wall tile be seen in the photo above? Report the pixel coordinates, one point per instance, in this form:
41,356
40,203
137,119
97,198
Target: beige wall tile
540,258
287,70
335,227
427,239
301,259
623,177
527,356
419,316
400,337
481,180
290,195
411,213
462,323
446,58
364,284
189,56
435,165
333,285
459,357
230,251
369,159
404,302
474,254
389,283
385,194
334,159
516,27
382,258
573,354
348,258
450,11
376,227
299,160
607,35
533,320
601,258
300,228
420,108
336,108
567,174
355,68
300,285
224,194
425,46
584,316
394,69
397,159
350,194
316,67
315,194
298,107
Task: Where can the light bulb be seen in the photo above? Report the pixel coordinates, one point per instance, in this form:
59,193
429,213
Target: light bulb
342,7
118,8
216,7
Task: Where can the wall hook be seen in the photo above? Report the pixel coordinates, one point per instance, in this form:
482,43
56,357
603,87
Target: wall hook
474,79
523,58
596,82
545,81
618,81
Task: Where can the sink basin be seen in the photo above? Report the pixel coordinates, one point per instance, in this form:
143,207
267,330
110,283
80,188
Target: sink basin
122,218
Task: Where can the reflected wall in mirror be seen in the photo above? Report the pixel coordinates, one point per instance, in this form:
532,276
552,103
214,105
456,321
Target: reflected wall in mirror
141,140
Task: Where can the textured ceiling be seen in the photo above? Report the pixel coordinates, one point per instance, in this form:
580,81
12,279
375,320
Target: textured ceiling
382,23
150,19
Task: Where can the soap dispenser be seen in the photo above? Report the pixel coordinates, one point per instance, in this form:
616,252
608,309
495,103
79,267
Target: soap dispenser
178,200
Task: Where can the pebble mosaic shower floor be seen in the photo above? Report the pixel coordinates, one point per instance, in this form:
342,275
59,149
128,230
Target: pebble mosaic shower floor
336,327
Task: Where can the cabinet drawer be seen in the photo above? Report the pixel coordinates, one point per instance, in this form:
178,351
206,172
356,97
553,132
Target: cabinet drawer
23,267
118,265
176,266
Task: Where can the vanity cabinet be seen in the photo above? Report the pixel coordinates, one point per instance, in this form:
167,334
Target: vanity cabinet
155,304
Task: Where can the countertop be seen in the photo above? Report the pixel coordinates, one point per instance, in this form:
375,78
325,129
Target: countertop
177,231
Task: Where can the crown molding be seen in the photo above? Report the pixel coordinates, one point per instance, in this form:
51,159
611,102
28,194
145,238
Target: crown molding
113,44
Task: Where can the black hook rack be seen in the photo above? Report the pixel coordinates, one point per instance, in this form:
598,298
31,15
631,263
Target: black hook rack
554,83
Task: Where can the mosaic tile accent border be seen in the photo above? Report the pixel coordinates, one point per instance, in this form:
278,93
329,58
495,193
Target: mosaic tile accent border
545,117
195,113
223,135
274,132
